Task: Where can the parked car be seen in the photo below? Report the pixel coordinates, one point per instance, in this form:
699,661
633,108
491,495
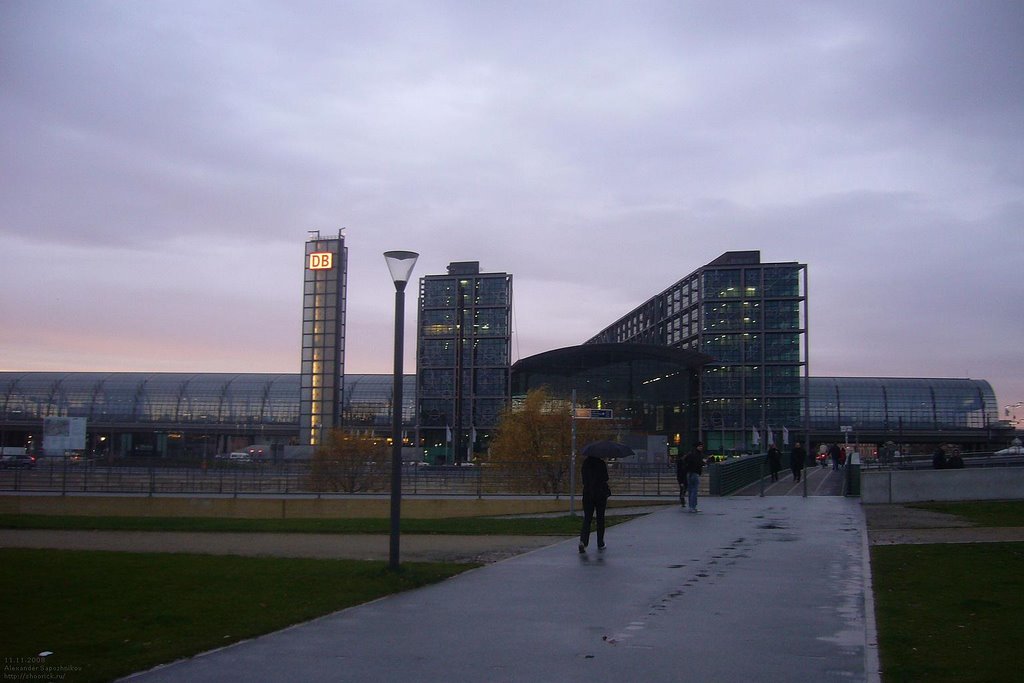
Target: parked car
20,461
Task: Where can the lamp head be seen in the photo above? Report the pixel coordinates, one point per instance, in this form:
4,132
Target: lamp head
400,263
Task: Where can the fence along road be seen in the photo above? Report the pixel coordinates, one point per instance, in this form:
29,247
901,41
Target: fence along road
297,478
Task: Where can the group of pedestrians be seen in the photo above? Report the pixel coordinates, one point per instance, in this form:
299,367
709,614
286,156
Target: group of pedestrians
689,468
941,462
797,460
594,473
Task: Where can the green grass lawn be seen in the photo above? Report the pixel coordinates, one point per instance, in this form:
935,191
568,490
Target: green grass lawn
951,612
105,614
992,513
565,525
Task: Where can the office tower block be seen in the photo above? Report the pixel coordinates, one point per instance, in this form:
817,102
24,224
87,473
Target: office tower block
463,359
323,337
751,318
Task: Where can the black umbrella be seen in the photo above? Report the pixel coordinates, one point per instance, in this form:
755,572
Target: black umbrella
607,450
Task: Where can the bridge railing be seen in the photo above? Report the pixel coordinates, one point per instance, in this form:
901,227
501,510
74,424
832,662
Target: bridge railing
633,479
733,474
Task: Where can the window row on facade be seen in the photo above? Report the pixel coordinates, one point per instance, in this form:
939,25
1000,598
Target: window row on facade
760,282
484,322
475,352
751,347
478,381
450,293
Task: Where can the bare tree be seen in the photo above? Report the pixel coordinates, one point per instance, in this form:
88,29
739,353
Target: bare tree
348,463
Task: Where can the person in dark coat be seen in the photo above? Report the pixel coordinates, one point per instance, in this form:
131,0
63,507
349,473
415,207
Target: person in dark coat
774,461
833,453
956,462
681,479
595,499
939,459
796,460
693,463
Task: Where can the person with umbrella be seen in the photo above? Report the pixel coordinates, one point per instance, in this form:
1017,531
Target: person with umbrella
594,472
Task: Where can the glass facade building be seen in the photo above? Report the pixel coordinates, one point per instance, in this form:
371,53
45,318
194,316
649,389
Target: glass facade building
653,389
368,401
181,414
751,319
323,336
648,389
463,354
880,409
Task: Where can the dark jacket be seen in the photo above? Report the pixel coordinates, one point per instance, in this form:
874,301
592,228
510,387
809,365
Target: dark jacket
797,457
774,459
693,462
681,469
595,479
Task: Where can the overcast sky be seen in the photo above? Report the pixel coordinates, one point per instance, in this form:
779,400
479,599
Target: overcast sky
162,163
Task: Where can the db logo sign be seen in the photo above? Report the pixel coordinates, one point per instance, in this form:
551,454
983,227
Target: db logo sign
323,260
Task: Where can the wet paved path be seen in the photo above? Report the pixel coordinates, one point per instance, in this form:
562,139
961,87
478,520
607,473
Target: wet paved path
750,589
821,481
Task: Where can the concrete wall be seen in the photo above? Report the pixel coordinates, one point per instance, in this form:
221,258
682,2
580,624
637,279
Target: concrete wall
913,486
274,508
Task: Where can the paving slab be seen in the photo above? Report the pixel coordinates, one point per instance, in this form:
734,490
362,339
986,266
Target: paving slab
749,589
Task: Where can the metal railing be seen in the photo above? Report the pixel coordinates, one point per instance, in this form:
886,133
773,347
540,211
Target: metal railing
731,475
923,462
301,478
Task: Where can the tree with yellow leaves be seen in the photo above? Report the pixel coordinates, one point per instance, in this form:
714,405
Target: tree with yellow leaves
533,442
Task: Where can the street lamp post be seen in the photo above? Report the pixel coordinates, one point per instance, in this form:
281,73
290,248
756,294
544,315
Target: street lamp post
572,460
400,263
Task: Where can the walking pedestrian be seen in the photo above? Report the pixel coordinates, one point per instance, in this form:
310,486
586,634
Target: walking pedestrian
595,499
774,461
681,478
833,453
796,460
693,463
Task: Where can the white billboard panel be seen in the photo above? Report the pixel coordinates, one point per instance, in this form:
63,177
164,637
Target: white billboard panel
63,434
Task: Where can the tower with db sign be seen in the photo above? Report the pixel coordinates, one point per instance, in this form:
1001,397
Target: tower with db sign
323,336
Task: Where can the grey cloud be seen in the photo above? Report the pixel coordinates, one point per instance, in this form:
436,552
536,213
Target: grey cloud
611,147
